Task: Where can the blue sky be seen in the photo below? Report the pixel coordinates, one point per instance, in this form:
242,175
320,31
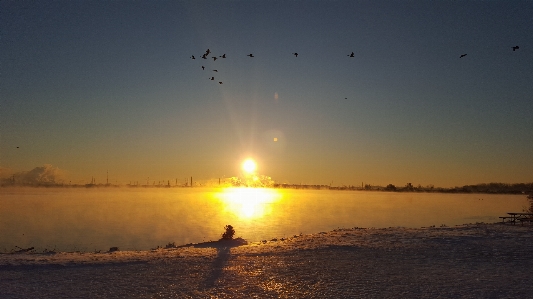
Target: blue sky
97,86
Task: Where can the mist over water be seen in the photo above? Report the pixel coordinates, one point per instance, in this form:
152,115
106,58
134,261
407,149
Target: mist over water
81,219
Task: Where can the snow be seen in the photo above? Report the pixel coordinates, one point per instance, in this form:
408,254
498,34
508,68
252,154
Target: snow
468,261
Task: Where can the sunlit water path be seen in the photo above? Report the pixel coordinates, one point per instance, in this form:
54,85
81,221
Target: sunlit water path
140,219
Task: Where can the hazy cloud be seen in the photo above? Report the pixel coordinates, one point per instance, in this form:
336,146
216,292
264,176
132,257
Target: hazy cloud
46,174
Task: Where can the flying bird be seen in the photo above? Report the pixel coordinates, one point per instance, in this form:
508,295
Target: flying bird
192,57
219,82
351,55
295,54
212,78
203,67
223,56
515,48
462,56
251,55
204,56
215,70
214,58
207,52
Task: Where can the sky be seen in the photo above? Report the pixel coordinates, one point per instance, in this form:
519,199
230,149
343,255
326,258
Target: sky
99,88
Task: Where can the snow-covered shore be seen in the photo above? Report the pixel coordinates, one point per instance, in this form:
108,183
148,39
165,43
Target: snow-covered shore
469,261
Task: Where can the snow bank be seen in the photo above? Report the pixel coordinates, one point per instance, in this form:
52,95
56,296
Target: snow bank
480,261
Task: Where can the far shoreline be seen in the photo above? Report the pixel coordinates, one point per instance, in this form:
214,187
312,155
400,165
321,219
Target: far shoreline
491,188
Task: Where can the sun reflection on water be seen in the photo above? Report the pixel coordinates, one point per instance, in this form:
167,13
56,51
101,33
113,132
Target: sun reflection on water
249,203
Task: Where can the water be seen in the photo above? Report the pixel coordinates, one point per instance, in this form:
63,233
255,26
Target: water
86,220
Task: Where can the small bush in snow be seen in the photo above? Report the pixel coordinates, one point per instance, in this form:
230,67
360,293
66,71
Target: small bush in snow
229,233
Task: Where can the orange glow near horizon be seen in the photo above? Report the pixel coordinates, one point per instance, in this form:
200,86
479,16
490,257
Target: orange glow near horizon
249,203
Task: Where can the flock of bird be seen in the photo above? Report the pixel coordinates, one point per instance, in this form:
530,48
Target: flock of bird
206,55
208,51
514,49
223,56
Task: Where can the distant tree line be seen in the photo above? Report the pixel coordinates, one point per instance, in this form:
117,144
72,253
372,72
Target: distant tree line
490,188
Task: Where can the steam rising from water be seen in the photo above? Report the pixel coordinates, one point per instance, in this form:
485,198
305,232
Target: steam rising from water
252,180
47,174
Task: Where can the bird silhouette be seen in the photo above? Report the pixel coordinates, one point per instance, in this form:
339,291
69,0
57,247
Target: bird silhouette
207,52
192,57
219,82
251,55
215,70
462,56
223,56
515,48
295,54
203,67
214,58
351,55
204,56
212,78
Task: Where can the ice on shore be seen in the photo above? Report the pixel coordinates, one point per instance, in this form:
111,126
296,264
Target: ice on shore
474,261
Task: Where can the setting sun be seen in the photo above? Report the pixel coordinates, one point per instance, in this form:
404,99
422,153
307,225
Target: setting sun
249,166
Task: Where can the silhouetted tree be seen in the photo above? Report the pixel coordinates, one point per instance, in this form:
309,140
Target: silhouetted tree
409,187
229,233
390,187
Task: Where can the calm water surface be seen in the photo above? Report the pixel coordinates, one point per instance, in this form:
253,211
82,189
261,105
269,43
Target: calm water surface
139,219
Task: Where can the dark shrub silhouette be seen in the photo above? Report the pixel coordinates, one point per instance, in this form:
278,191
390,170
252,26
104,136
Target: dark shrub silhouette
229,233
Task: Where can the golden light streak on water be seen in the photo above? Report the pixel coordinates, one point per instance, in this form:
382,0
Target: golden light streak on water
249,203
